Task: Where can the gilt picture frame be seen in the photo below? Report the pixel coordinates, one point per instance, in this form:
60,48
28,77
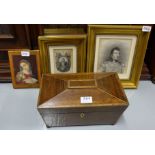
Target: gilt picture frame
62,53
117,48
25,68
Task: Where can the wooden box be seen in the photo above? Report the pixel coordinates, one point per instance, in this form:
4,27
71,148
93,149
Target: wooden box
65,99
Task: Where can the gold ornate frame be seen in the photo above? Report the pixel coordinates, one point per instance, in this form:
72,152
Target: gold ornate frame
56,31
62,40
18,53
124,30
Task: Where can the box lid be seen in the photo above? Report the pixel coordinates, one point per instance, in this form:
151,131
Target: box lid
66,90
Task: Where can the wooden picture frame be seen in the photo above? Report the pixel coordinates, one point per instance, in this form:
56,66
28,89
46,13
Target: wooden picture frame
56,50
117,48
62,31
25,68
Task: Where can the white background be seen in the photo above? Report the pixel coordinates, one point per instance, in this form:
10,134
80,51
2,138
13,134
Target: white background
77,142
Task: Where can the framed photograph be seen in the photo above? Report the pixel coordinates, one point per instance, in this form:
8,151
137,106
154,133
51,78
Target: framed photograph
62,53
25,68
63,59
117,48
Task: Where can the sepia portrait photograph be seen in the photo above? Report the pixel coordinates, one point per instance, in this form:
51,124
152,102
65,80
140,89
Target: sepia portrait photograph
24,70
114,53
63,59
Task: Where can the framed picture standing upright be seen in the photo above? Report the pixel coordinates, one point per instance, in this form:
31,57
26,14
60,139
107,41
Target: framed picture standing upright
62,53
25,68
117,48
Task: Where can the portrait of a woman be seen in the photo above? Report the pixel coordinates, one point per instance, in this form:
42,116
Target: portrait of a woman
25,73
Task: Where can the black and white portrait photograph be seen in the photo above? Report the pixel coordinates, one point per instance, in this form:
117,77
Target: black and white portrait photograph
114,53
62,59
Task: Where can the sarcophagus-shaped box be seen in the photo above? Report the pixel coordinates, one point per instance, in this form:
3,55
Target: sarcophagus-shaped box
81,99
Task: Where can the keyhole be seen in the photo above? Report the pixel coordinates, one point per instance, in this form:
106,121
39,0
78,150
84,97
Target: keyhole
82,115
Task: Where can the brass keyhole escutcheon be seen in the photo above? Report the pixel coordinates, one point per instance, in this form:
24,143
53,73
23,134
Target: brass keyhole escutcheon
82,115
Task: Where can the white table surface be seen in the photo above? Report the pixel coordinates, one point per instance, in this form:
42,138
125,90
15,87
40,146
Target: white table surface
18,110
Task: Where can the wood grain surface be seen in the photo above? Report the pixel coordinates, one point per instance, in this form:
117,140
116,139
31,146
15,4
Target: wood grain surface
59,99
